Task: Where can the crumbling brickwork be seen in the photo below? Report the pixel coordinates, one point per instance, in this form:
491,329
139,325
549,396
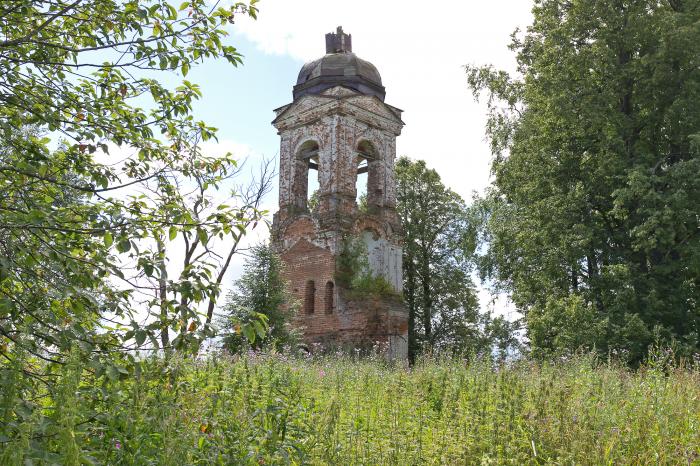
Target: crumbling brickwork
340,132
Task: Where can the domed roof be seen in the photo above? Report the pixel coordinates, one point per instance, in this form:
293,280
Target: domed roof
339,67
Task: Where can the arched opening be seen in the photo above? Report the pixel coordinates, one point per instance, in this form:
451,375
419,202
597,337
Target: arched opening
329,297
309,297
367,180
306,186
361,186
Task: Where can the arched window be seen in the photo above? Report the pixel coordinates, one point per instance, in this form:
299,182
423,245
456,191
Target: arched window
304,185
329,297
309,297
361,186
367,182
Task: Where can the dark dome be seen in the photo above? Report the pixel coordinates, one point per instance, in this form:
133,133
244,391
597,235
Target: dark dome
339,67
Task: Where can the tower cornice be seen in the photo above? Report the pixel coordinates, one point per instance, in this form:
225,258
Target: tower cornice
366,109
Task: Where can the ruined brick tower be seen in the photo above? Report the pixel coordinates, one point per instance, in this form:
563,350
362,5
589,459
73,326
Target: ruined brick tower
338,128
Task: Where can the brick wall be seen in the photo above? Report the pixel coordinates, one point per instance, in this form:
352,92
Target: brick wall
352,320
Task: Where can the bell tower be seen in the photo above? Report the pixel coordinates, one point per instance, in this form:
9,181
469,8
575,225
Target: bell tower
338,129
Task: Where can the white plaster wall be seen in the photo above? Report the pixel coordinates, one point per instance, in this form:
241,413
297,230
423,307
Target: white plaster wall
385,259
398,347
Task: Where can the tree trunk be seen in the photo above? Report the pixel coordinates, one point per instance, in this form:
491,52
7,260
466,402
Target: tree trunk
411,303
427,301
163,293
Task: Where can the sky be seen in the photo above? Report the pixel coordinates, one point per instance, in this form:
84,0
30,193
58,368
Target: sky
419,48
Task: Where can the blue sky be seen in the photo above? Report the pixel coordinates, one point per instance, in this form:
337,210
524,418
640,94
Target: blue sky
240,101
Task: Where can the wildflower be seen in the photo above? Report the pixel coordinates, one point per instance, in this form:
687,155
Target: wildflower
322,373
118,445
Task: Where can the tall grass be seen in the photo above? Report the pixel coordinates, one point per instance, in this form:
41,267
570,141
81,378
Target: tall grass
270,409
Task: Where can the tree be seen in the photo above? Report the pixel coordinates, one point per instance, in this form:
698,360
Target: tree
101,166
43,279
260,291
203,265
75,68
438,244
592,221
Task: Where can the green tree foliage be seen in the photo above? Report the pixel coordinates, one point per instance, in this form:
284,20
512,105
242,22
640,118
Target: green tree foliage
259,300
592,222
438,244
74,215
201,269
101,175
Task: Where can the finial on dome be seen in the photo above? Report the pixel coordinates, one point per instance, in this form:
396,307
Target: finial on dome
338,42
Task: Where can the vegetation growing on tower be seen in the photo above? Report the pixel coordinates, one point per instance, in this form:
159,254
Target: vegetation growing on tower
354,272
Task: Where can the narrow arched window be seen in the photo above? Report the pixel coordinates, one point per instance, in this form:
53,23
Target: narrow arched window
329,297
309,297
367,180
306,187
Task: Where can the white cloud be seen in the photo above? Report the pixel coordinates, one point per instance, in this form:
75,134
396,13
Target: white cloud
420,51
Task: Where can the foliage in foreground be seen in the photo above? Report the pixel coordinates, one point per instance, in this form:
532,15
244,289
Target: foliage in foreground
269,409
105,185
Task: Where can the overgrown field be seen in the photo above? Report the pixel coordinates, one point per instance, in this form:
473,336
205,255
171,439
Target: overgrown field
263,409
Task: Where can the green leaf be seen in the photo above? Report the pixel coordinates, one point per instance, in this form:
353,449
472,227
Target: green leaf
124,245
249,332
108,239
140,336
259,328
202,235
112,373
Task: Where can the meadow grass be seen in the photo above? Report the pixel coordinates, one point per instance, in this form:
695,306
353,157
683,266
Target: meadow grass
272,409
